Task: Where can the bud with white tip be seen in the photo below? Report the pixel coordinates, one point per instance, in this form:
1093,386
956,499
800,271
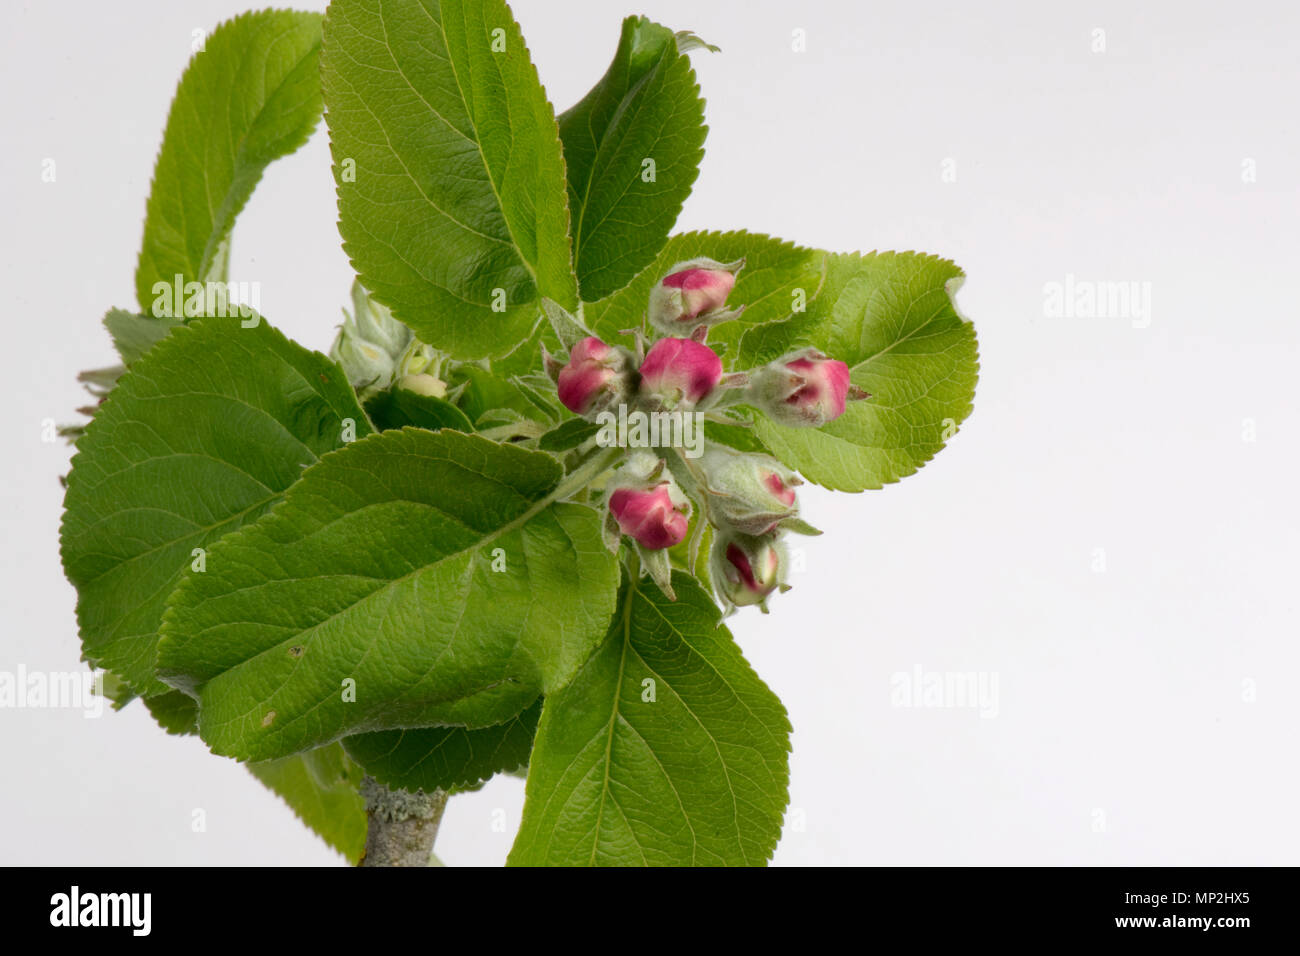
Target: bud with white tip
423,384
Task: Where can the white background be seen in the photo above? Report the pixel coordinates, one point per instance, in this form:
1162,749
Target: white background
1146,712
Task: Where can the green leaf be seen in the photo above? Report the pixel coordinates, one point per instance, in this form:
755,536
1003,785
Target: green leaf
486,392
321,787
202,435
116,690
445,758
430,574
667,749
527,356
449,168
175,712
776,276
400,407
632,147
567,435
765,343
250,96
895,325
133,335
888,315
740,437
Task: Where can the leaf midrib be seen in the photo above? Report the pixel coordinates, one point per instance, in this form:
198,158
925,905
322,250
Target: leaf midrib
616,117
477,140
605,794
227,208
523,518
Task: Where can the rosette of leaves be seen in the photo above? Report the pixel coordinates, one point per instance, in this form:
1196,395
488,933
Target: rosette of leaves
417,589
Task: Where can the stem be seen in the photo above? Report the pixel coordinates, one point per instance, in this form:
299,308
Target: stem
522,429
583,474
400,826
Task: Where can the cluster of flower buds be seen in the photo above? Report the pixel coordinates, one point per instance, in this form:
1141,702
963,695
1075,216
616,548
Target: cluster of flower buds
370,343
419,368
377,351
748,500
676,374
751,501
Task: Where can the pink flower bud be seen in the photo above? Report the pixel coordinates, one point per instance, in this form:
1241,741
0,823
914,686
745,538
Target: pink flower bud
594,378
752,494
693,294
747,569
650,516
679,371
805,388
779,489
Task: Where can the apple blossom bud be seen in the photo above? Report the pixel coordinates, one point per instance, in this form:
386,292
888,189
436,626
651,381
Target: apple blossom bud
370,343
752,494
647,505
423,384
803,389
595,377
679,372
649,517
747,569
367,366
419,370
375,323
692,294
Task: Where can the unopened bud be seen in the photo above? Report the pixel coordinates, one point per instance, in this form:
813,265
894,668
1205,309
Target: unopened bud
423,384
679,372
752,494
366,365
804,388
648,506
370,343
747,569
595,378
693,293
375,323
